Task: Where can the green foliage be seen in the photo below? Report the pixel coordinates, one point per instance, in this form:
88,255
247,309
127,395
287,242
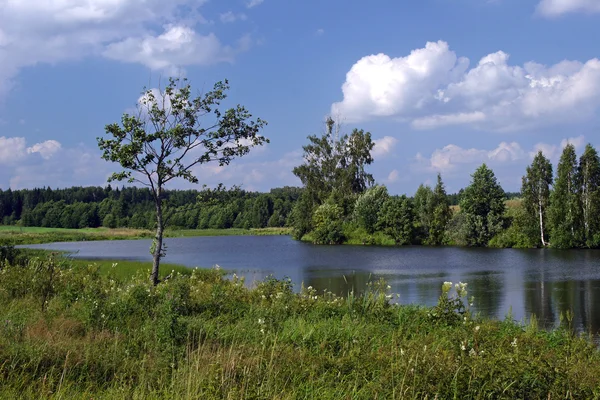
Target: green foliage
396,219
334,170
202,336
156,146
536,195
441,214
565,208
327,220
483,206
588,178
423,206
522,232
368,206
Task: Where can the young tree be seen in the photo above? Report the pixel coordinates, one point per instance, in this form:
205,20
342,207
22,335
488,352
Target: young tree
441,214
423,202
396,219
536,192
588,176
368,205
564,202
167,138
482,203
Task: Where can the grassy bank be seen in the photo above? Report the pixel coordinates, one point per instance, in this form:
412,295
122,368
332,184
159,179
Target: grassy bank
33,235
71,331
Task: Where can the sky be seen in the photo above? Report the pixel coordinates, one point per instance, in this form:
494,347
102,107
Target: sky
442,85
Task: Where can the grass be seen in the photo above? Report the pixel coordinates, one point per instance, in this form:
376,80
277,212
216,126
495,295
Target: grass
33,235
72,331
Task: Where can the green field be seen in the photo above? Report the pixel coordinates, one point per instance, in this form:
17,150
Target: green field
33,235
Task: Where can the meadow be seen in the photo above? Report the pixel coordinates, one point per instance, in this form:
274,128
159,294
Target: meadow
17,235
83,330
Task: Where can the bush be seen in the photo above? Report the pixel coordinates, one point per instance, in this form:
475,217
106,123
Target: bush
327,221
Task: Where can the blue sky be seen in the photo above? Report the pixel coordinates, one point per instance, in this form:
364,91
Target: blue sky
442,85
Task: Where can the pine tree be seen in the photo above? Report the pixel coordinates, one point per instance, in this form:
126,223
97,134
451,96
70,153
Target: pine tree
536,192
441,214
564,202
588,178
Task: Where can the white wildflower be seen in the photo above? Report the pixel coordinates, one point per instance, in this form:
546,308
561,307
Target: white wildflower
446,286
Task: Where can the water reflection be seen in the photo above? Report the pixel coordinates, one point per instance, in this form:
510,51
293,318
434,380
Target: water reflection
552,301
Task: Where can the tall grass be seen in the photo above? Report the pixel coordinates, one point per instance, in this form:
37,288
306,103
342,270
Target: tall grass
70,331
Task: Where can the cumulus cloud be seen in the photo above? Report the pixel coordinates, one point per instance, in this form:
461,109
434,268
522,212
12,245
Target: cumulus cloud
383,146
127,30
12,149
552,152
46,149
452,157
432,87
554,8
176,46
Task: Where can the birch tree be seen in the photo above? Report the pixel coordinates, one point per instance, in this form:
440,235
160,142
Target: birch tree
588,177
536,192
564,202
170,134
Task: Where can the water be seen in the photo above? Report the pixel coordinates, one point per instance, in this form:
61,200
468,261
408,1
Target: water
524,282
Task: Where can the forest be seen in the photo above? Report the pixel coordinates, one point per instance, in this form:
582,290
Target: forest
133,207
340,202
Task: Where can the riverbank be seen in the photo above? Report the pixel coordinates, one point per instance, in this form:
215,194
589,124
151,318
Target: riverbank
69,331
15,235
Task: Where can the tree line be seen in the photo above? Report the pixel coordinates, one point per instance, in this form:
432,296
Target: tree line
133,207
342,204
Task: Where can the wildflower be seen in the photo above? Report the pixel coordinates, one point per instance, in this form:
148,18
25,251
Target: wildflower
401,352
472,353
261,321
514,343
461,289
477,328
446,287
388,287
463,346
309,288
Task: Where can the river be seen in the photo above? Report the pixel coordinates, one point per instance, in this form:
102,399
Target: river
543,282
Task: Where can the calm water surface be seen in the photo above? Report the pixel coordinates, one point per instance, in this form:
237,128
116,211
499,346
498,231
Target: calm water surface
541,282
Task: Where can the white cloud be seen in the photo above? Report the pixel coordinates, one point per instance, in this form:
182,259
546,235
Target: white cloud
254,3
436,121
554,8
46,149
450,157
432,87
230,16
393,176
320,32
128,30
12,149
177,46
552,152
383,146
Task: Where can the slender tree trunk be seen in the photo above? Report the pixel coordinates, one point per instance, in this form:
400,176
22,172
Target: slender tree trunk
158,241
541,222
